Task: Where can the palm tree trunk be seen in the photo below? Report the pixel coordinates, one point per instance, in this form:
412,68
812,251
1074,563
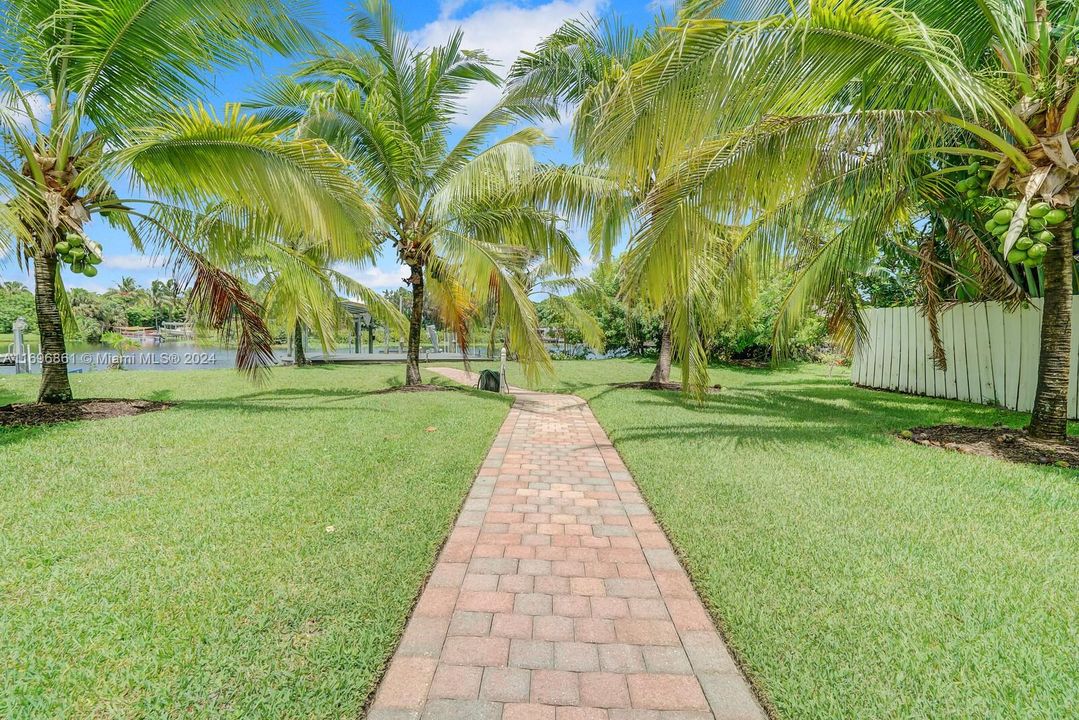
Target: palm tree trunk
1049,420
662,373
55,385
298,352
415,325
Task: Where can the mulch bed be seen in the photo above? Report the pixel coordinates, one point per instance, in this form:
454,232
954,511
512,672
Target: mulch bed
668,386
427,387
998,442
30,414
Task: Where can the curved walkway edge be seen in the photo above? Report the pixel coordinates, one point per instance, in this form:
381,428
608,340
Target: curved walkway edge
557,596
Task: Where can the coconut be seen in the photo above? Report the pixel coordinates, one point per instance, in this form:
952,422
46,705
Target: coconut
1024,243
1045,236
1011,205
1032,262
74,240
1003,217
991,226
1017,256
1039,210
1036,224
62,247
1037,250
1055,217
89,271
78,266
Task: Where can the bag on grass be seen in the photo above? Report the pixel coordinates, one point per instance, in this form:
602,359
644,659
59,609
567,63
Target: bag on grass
488,381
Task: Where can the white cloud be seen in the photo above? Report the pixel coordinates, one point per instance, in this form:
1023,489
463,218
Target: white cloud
133,262
378,278
38,104
503,29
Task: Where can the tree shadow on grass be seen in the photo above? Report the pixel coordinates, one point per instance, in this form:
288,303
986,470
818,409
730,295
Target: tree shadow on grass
810,414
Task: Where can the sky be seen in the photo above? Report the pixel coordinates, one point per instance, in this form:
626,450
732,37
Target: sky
502,28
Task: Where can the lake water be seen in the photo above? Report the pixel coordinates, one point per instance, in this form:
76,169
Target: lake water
189,355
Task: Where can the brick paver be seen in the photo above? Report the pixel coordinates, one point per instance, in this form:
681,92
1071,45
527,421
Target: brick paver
557,596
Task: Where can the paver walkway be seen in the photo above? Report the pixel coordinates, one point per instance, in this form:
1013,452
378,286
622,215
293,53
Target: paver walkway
557,596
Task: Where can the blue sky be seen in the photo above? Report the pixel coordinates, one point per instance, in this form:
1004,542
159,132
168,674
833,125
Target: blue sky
503,28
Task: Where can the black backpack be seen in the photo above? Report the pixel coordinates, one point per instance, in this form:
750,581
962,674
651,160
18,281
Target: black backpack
488,381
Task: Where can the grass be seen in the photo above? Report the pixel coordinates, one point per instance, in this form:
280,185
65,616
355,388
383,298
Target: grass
180,564
857,575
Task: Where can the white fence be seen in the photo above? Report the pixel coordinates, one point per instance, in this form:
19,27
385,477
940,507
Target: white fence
992,354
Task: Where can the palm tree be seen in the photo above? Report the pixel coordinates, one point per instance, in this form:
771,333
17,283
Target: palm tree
94,92
300,287
577,67
565,295
464,217
839,125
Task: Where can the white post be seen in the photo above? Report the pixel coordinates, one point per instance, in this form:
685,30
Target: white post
18,327
503,387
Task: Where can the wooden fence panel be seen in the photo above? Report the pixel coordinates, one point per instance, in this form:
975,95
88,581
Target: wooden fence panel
992,354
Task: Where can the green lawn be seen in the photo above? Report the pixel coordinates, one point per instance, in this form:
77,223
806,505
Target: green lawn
858,576
178,564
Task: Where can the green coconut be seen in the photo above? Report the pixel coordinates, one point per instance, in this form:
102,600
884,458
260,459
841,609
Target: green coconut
77,253
1055,217
62,247
74,240
1011,205
1003,216
89,271
991,226
1039,210
78,266
973,193
1016,256
1045,236
94,259
1032,263
1036,224
1037,251
1024,243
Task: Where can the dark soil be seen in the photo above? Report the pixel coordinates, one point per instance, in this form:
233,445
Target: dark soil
997,442
30,414
668,386
426,387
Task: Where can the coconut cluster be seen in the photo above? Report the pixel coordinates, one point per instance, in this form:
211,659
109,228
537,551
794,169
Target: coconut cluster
82,254
1036,237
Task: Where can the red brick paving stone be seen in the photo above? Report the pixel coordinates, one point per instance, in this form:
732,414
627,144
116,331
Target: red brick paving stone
666,692
476,651
558,596
555,687
456,682
528,711
406,683
505,685
512,626
581,713
604,690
